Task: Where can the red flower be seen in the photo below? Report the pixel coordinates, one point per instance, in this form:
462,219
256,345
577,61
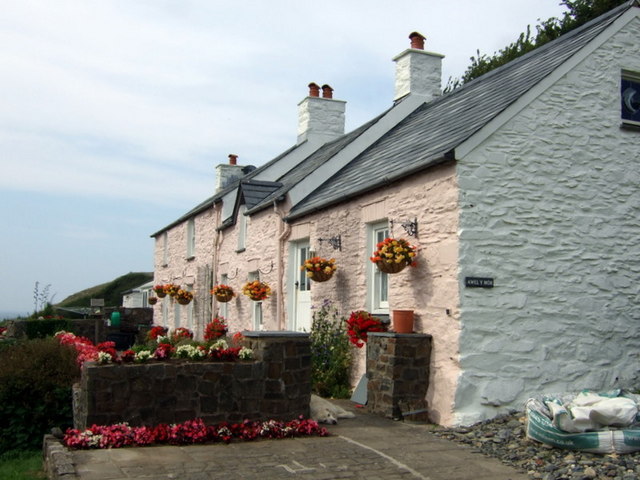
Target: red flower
215,329
359,324
181,333
163,352
128,356
156,332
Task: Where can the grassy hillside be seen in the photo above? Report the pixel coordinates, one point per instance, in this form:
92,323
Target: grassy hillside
111,291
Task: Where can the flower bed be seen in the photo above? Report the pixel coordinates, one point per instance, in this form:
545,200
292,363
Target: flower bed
188,433
221,383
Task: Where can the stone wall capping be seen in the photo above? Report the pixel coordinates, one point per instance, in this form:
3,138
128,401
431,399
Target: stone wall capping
399,335
274,334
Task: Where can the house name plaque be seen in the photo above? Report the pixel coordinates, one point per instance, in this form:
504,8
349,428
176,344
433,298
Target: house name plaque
478,282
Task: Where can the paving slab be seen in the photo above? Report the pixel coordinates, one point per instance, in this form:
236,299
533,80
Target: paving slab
365,447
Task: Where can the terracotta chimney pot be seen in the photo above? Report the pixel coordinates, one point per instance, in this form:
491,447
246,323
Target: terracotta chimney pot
417,40
233,159
314,90
327,91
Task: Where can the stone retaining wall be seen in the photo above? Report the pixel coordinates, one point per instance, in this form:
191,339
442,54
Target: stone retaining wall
276,384
398,374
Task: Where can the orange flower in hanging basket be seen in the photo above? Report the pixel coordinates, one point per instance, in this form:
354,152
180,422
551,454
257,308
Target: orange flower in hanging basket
223,293
393,255
160,292
393,267
183,297
256,290
171,289
319,269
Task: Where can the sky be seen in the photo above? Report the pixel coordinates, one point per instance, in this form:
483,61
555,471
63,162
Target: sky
114,113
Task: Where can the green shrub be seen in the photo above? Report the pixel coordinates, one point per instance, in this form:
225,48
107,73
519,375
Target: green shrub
46,327
35,391
330,353
21,465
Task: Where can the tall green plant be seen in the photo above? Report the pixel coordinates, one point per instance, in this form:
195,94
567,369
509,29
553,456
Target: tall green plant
35,391
330,353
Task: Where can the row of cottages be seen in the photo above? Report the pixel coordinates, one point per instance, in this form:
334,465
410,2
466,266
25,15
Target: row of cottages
520,189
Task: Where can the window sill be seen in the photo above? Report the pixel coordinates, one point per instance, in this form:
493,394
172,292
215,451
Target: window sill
634,127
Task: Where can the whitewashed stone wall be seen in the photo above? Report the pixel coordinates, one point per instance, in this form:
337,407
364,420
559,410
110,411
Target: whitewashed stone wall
430,288
549,209
190,273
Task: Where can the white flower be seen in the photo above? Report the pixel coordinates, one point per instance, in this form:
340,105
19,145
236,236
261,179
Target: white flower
184,351
219,345
245,353
190,351
104,357
143,356
163,339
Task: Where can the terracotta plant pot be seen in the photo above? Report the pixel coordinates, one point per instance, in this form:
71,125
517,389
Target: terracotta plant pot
391,267
402,321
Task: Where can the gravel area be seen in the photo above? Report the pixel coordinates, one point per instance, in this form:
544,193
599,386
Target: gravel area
504,438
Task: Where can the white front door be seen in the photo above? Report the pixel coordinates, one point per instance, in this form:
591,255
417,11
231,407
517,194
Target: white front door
301,288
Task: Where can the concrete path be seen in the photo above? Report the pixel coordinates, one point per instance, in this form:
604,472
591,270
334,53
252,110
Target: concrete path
367,447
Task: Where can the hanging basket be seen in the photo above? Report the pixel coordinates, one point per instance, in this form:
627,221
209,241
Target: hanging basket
391,267
224,297
183,301
321,276
152,300
161,293
256,298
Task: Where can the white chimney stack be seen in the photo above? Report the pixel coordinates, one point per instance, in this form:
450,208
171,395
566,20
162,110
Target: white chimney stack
320,118
418,72
228,172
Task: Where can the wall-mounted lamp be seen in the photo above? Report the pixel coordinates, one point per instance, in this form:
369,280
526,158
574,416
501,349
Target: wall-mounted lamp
411,227
335,242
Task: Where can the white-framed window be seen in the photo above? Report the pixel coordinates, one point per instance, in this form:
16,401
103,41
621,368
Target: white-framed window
165,249
242,228
165,311
630,98
256,307
191,238
223,310
176,315
377,281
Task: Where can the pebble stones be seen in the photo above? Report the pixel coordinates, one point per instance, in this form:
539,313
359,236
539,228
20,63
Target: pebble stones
504,438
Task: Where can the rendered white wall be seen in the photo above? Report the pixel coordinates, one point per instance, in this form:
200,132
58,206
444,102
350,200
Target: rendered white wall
550,209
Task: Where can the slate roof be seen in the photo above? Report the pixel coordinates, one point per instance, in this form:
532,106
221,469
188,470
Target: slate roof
426,137
431,133
310,164
254,191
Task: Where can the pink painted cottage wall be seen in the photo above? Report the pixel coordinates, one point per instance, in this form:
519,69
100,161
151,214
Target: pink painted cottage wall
260,254
430,289
190,272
